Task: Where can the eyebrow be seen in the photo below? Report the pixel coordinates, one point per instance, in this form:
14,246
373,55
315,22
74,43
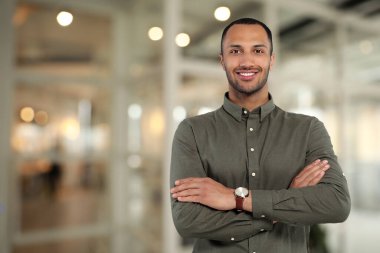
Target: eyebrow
258,45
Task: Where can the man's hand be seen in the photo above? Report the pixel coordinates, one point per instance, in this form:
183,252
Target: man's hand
311,174
208,192
205,191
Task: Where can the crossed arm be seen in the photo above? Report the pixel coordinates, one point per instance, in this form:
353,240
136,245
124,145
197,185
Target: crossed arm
211,193
204,208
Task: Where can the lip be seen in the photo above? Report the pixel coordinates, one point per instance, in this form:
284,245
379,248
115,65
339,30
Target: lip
246,75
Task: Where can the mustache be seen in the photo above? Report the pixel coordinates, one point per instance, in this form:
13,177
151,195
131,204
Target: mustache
257,68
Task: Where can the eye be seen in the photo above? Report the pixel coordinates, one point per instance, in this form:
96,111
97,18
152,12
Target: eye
259,51
235,51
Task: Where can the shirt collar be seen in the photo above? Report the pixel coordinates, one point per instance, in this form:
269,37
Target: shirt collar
238,112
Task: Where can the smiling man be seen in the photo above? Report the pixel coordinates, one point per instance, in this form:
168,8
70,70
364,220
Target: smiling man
250,177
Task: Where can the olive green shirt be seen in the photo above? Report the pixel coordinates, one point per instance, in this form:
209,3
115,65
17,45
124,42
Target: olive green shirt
262,150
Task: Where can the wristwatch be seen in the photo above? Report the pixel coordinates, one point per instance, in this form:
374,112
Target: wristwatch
240,194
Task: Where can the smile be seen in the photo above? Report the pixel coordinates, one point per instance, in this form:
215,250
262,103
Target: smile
247,74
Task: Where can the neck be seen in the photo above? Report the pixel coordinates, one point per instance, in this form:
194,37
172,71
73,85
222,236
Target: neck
250,101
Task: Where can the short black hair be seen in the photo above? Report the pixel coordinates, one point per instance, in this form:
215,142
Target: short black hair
247,21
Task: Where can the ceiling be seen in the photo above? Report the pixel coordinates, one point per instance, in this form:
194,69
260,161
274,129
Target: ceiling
84,49
41,39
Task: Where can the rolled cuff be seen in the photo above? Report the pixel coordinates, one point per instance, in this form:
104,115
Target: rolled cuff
262,204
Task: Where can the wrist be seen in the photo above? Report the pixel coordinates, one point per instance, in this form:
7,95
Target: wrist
241,194
231,199
247,205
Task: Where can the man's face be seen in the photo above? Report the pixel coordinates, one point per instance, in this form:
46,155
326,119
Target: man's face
246,58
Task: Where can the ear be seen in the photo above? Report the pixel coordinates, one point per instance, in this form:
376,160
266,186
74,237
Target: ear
272,61
221,60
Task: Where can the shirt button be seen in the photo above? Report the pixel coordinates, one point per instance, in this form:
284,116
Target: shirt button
252,149
262,230
262,216
245,112
232,239
253,174
251,129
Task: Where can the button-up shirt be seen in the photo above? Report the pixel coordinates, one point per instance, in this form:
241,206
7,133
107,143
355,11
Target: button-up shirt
262,150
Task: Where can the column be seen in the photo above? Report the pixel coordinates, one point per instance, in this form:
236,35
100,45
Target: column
6,109
342,97
118,172
172,79
271,13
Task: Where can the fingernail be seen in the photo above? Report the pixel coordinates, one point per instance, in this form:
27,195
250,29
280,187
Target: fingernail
325,162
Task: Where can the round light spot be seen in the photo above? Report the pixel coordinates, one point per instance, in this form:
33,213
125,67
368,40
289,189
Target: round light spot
27,114
155,33
182,40
42,118
65,18
222,13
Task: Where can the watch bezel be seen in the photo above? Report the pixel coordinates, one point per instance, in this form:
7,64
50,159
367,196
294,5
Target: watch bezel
241,192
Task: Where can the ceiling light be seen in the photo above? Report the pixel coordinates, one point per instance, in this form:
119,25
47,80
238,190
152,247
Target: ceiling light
27,114
64,18
42,117
182,40
155,33
222,13
70,128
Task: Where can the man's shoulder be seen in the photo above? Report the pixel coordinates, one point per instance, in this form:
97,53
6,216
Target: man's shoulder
202,119
295,115
198,124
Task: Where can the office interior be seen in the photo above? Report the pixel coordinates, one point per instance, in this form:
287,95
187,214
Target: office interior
91,92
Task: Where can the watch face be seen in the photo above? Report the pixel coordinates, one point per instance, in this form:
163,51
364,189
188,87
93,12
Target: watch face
241,192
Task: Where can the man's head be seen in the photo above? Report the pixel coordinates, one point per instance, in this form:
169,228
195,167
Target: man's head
246,56
247,21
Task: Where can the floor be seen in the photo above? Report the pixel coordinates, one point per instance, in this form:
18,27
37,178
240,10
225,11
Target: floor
72,208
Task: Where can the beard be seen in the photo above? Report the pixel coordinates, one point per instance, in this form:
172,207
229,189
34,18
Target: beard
248,90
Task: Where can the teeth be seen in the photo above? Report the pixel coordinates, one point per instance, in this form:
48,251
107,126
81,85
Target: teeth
247,74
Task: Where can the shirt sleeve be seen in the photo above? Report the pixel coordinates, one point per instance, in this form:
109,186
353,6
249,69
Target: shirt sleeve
199,221
326,202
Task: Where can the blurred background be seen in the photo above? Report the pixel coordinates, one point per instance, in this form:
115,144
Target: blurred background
91,92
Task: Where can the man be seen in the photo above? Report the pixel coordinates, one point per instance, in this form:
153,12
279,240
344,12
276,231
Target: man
250,177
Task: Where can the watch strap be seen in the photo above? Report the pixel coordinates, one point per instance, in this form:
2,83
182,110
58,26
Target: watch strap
239,203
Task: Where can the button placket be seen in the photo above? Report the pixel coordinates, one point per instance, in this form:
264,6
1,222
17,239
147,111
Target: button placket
251,136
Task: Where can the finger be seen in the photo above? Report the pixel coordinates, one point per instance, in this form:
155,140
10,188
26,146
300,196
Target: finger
314,177
311,165
312,169
188,180
187,193
185,186
308,168
183,181
193,199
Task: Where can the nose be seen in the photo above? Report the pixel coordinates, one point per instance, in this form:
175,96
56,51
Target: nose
247,61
